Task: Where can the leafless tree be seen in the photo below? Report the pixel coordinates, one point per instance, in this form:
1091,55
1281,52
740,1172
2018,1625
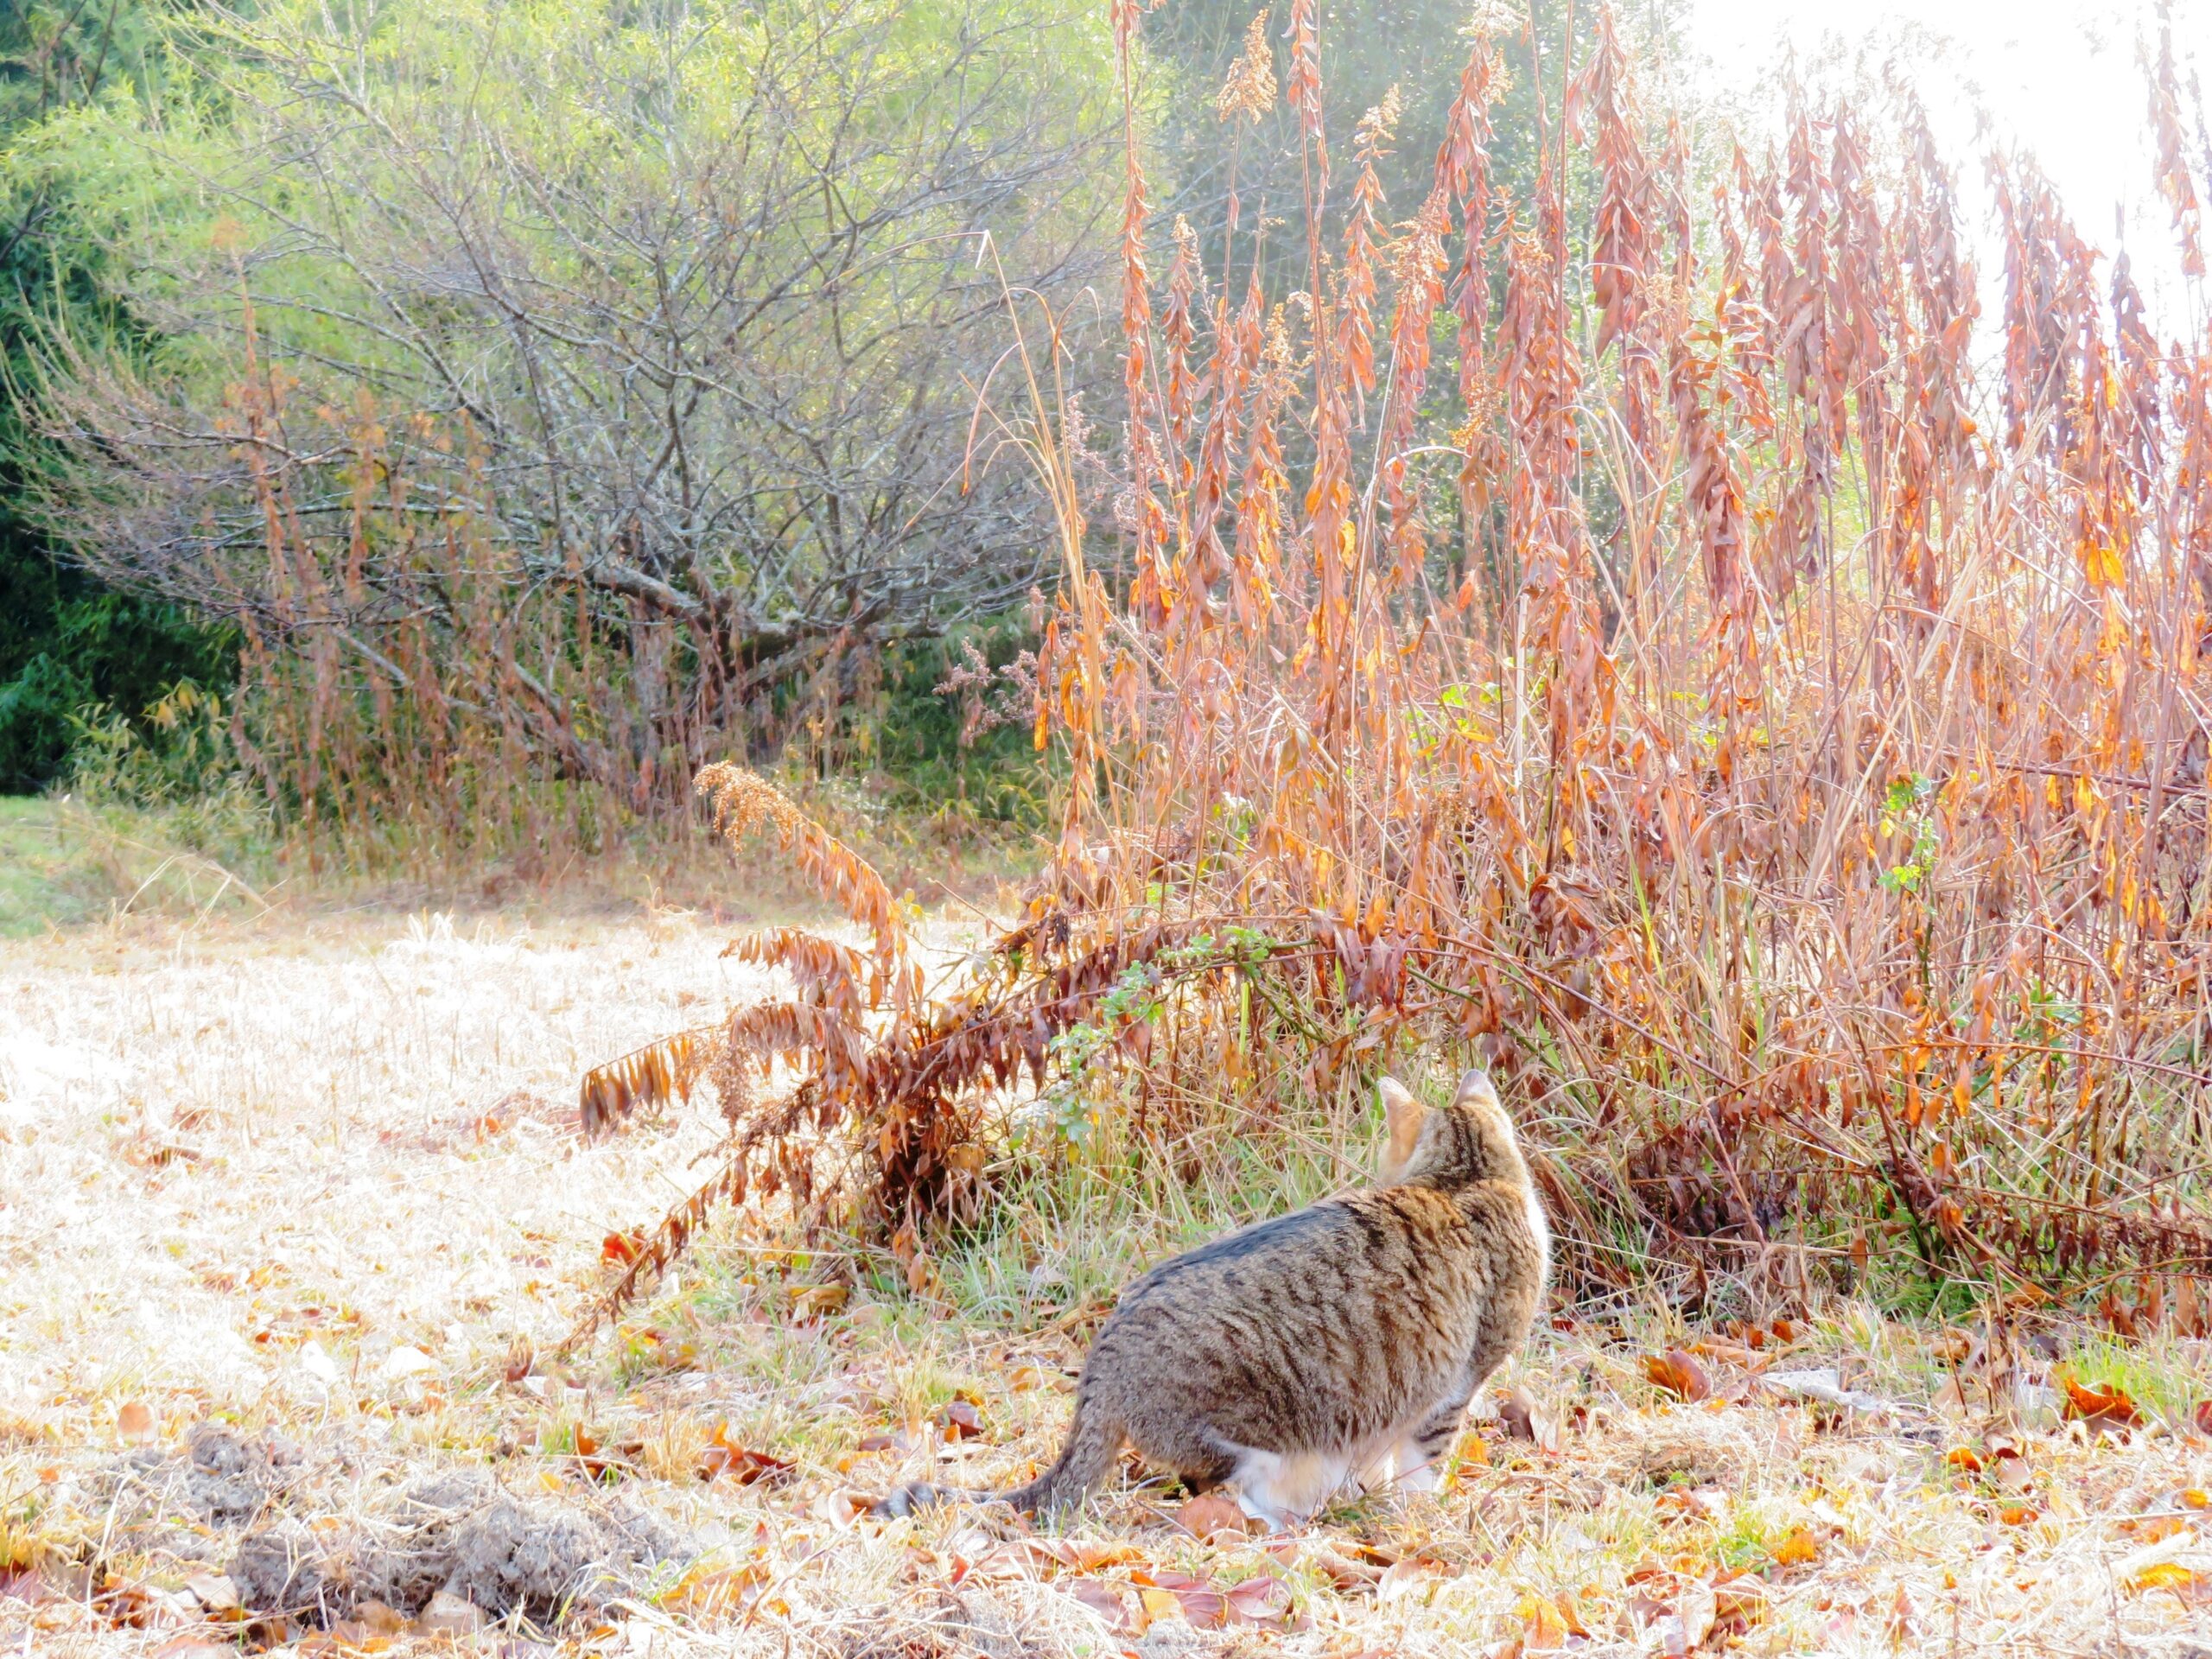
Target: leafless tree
685,321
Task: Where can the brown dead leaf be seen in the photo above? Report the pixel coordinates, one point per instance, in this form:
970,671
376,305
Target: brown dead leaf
1524,1420
2009,1470
1679,1374
1729,1353
135,1423
217,1594
961,1421
1264,1600
724,1458
1742,1597
1108,1601
2202,1417
817,1300
1342,1571
1699,1610
1209,1514
622,1249
1550,1620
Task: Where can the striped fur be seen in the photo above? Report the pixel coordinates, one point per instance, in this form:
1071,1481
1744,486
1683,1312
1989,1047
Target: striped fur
1338,1345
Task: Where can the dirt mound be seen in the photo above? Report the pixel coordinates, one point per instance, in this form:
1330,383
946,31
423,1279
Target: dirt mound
459,1533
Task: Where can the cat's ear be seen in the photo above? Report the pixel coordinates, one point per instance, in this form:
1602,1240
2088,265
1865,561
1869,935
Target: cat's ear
1403,1114
1476,1090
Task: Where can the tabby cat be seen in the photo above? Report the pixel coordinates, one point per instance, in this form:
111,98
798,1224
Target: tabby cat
1338,1343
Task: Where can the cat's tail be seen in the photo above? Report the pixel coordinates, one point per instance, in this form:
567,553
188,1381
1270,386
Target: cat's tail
1092,1445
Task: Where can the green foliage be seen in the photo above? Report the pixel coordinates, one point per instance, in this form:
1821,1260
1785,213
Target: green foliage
67,642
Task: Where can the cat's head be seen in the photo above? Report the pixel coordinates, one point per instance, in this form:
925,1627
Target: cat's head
1470,1140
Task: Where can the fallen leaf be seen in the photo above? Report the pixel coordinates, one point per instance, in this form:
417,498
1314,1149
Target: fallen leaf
1524,1420
2107,1407
817,1300
2184,1581
2009,1471
1679,1374
1108,1601
1157,1605
1699,1608
1209,1514
2203,1415
1824,1386
449,1615
1797,1548
713,1594
1263,1600
2016,1515
1204,1608
1416,1575
1550,1620
405,1362
133,1423
961,1421
1025,1377
1964,1458
725,1459
216,1593
1744,1597
2193,1498
1729,1353
1342,1570
842,1509
622,1249
2153,1528
381,1618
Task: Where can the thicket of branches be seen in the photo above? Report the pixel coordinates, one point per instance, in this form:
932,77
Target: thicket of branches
1777,752
540,390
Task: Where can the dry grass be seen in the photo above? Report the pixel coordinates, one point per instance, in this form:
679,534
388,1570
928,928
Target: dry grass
219,1146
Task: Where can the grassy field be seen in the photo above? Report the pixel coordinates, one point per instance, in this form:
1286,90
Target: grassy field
293,1214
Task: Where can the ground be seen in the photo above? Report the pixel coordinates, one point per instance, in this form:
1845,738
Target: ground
294,1214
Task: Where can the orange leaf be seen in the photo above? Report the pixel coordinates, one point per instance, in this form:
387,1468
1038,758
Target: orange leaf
2169,1575
2101,1407
1678,1374
1797,1548
135,1423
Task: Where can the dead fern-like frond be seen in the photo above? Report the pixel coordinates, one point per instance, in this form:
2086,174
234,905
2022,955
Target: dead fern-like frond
744,801
649,1076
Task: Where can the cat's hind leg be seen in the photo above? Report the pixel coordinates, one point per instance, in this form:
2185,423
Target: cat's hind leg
1283,1489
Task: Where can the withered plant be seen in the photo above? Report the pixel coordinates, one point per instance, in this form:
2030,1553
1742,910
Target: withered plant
1621,638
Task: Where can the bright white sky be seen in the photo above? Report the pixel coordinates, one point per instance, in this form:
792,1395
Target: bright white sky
2060,80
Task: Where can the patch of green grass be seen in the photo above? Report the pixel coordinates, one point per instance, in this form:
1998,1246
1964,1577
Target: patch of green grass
2164,1375
63,864
46,879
